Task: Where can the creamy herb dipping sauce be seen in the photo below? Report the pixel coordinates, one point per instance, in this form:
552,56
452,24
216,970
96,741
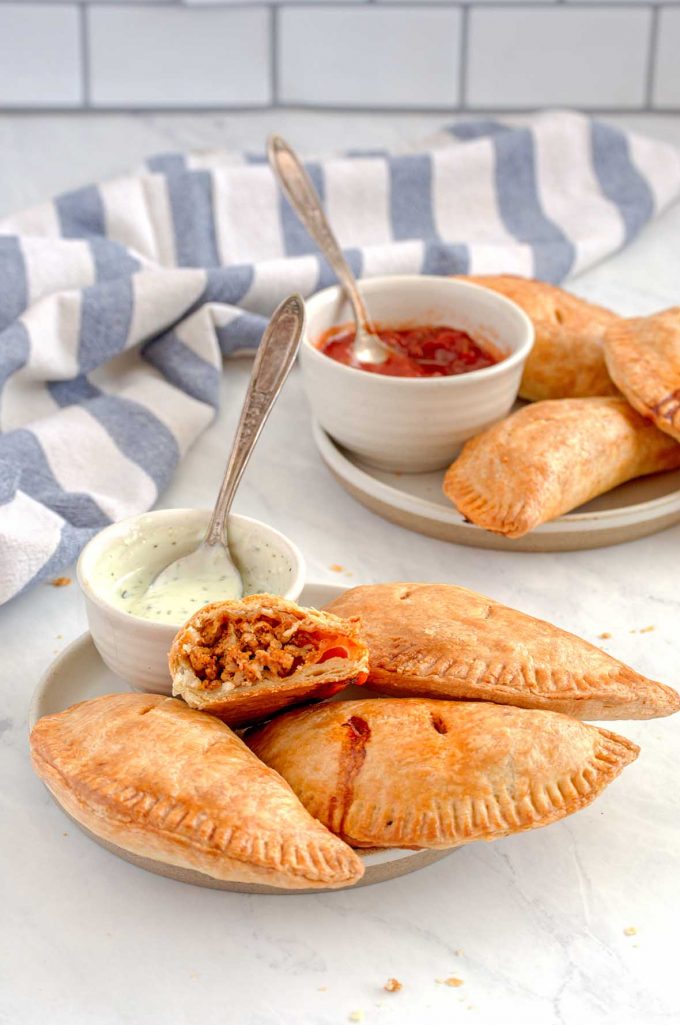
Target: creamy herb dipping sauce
125,572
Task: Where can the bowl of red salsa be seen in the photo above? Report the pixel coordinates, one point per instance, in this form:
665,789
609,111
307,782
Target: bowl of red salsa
457,352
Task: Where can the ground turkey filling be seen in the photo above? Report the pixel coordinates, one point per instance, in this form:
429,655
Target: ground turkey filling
240,650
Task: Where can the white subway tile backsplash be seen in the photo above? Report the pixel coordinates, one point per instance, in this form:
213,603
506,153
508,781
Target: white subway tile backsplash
666,91
40,55
369,56
392,54
537,57
169,56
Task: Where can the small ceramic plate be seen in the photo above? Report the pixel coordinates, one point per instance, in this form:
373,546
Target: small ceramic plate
78,674
416,501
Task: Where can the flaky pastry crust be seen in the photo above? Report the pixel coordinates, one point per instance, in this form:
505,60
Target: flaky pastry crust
424,773
246,659
551,457
437,640
567,360
643,358
162,781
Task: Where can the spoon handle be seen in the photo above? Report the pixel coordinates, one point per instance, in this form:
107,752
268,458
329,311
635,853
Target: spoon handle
274,358
302,196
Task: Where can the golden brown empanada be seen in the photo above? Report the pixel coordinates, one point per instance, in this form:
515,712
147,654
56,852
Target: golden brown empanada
437,640
643,358
244,660
551,457
423,773
567,360
150,775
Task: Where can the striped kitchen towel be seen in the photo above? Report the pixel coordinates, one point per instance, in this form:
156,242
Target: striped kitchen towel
119,301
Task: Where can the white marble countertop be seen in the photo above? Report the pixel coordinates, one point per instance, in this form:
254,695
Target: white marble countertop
571,925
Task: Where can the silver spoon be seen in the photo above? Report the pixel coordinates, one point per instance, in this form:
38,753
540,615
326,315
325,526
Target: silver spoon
211,564
302,196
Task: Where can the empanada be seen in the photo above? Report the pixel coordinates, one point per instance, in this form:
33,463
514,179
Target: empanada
567,360
437,640
150,775
551,457
423,773
244,660
643,358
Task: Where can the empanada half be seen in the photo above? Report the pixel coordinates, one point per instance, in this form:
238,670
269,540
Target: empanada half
551,457
426,773
643,358
567,360
437,640
244,660
162,781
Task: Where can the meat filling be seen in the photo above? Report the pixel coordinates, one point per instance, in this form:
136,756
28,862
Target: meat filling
241,650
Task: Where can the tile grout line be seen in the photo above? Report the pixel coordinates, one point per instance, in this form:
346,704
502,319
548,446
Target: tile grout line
334,109
463,56
274,54
652,58
84,38
574,5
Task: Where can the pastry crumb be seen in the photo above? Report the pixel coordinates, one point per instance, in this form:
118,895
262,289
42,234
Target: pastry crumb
458,952
356,1016
61,581
647,629
630,930
452,980
393,986
336,567
604,636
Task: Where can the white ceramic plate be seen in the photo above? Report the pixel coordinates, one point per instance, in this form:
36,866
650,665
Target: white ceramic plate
78,674
416,501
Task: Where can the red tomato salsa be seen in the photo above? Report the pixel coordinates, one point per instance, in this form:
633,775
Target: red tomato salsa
426,351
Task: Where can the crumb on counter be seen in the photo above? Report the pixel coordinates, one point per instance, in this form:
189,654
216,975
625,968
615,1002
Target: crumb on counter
452,980
356,1016
459,952
604,636
393,986
630,930
336,567
647,629
61,581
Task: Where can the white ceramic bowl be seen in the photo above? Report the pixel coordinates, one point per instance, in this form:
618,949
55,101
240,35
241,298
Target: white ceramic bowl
137,649
414,424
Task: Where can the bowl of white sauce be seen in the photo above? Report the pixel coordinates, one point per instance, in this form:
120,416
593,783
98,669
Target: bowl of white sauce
117,566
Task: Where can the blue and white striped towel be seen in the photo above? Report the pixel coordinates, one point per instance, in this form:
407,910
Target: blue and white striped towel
119,301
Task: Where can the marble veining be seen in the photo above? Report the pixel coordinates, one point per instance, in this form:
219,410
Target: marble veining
575,924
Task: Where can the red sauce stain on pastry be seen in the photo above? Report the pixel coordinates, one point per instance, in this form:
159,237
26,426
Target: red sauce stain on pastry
356,734
427,351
